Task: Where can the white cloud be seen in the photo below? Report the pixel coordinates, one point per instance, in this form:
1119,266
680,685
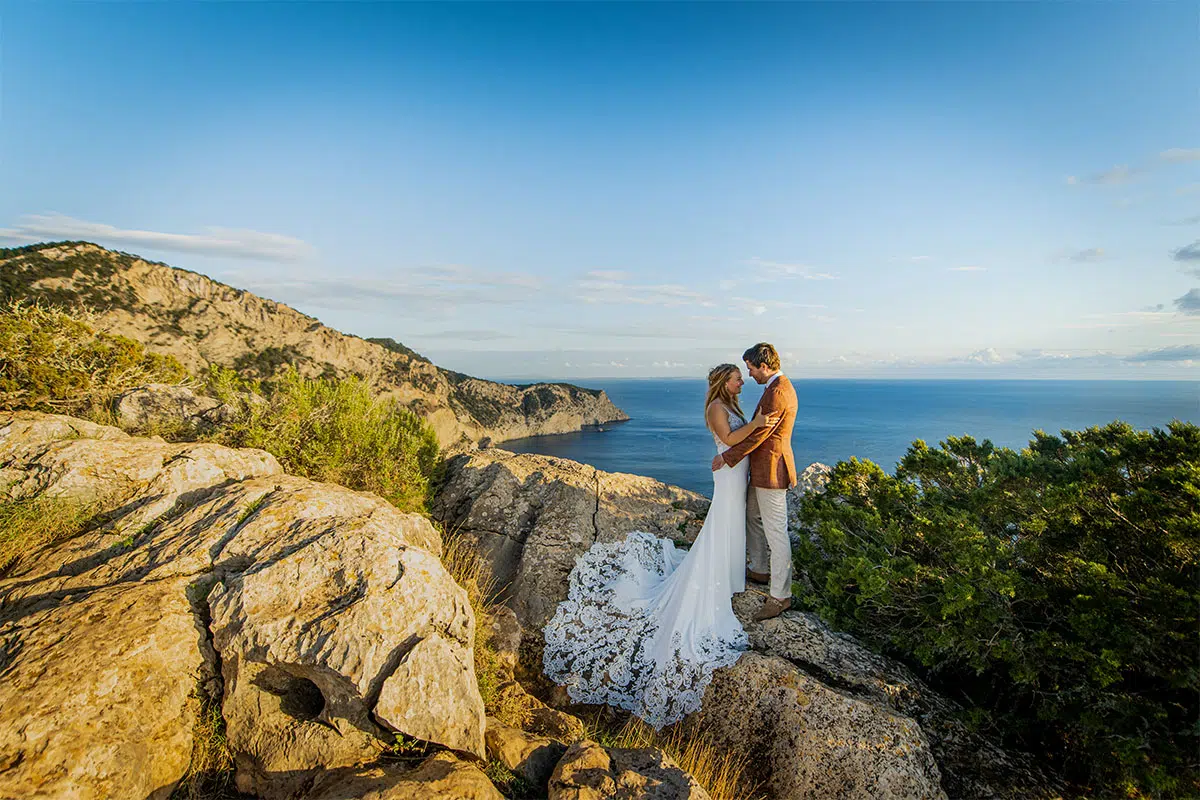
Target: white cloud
986,356
609,274
1179,352
249,244
422,291
1089,255
1188,189
1125,319
1179,155
767,271
600,286
1117,176
758,307
968,269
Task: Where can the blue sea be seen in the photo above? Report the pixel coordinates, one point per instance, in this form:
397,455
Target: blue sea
876,420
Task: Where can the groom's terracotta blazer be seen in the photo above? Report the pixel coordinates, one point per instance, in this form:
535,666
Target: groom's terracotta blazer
772,465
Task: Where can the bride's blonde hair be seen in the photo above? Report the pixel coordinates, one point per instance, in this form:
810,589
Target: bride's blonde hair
717,377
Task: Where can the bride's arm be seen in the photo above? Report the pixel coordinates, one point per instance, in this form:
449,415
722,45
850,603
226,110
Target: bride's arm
718,422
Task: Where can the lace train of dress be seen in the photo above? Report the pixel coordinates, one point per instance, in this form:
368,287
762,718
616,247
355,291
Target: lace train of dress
645,624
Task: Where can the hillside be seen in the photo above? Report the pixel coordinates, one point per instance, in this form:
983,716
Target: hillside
201,321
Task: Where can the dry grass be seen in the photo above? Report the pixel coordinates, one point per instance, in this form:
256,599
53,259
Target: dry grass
721,771
210,774
471,573
38,521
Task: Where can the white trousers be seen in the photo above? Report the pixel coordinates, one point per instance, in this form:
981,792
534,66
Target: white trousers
767,537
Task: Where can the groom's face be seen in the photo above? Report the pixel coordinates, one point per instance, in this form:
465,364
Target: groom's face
758,373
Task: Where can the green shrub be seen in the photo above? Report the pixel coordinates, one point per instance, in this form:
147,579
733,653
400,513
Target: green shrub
336,431
54,360
1057,588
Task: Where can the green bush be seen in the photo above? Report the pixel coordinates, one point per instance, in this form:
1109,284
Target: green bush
334,430
1056,588
54,360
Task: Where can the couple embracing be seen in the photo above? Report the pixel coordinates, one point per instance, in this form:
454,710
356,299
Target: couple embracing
645,623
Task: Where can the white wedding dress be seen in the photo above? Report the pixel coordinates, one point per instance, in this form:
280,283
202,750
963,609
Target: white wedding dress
644,623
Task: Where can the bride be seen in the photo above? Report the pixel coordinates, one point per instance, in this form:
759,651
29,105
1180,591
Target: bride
644,623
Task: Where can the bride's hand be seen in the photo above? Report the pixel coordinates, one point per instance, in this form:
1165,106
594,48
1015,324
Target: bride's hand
760,420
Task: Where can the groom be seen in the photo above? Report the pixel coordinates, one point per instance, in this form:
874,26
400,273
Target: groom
772,473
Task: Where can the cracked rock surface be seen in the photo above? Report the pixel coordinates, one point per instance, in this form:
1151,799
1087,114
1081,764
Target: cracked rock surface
531,516
322,615
804,649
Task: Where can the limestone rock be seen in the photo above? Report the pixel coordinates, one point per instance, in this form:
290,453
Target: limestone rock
95,693
202,322
813,479
590,772
812,741
326,612
539,718
531,516
440,777
159,406
504,637
970,764
526,755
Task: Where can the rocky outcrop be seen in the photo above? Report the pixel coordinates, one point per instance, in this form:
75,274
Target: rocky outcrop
320,620
814,741
970,764
159,406
820,714
201,322
531,516
528,756
813,478
590,772
440,777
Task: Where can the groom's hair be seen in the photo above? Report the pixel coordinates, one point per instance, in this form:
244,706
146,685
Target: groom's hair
762,355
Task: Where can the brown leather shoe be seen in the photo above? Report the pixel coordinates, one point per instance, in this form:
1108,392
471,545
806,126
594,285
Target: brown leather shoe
773,607
757,577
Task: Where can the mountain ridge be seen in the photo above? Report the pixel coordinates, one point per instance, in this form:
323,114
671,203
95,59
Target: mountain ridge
202,321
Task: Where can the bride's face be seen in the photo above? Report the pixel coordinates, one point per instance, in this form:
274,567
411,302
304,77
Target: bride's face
734,384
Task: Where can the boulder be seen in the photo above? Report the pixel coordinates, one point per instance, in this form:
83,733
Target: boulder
590,772
970,764
526,755
504,637
321,617
440,777
813,479
536,716
95,693
160,407
811,741
531,516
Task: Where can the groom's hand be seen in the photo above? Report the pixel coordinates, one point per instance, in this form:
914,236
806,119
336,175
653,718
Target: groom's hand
718,462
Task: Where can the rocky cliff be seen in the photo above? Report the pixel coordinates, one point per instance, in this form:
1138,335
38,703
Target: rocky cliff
823,716
212,603
319,621
201,321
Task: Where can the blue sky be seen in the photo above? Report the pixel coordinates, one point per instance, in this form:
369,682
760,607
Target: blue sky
576,190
